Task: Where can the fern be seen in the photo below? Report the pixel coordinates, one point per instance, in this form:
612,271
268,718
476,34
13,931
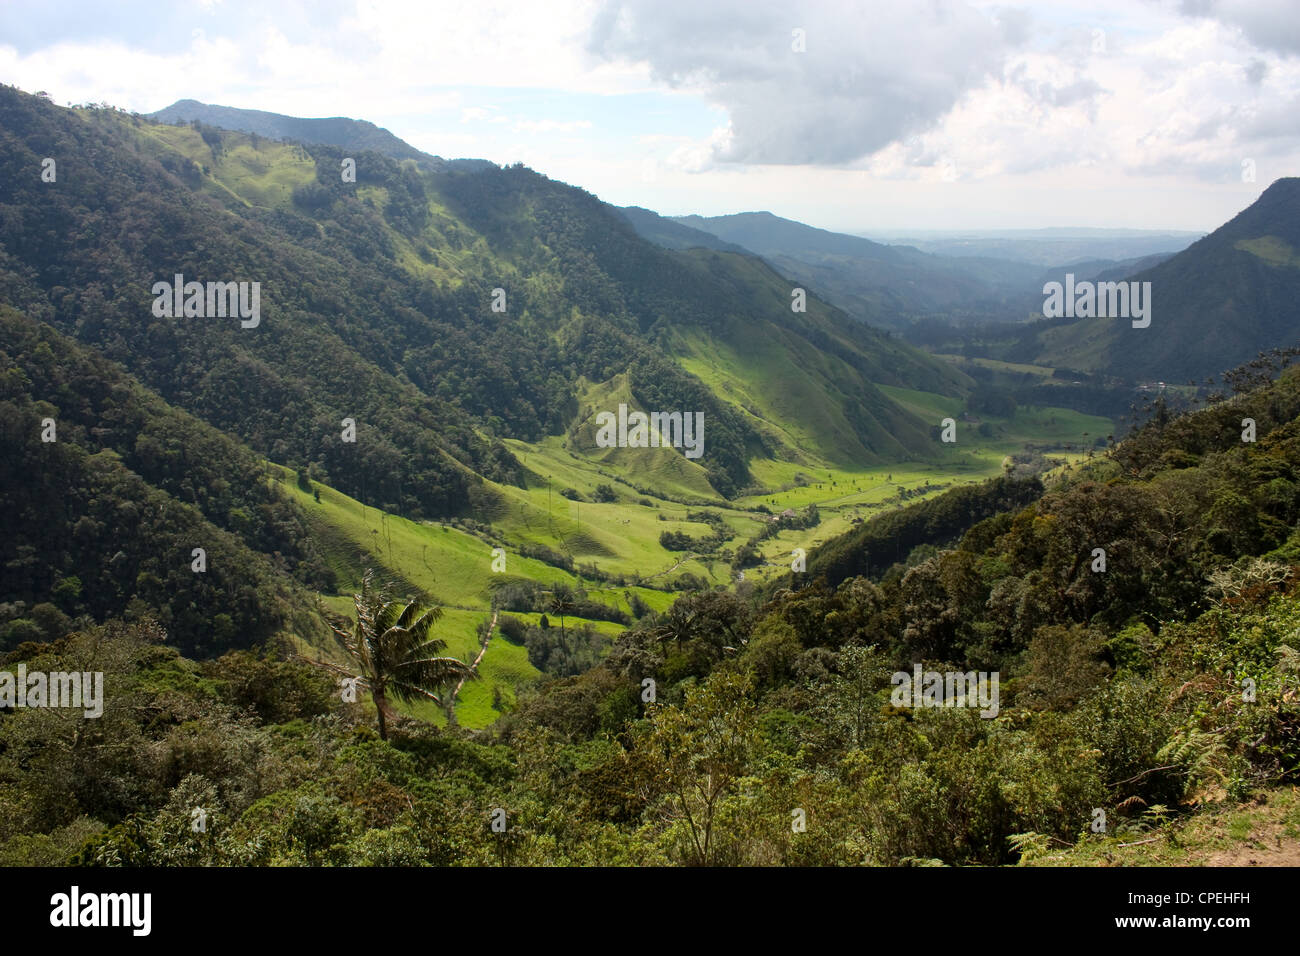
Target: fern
1028,845
1195,751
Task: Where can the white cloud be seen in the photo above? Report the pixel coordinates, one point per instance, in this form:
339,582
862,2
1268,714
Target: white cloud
1142,94
488,114
1267,24
549,125
870,74
956,111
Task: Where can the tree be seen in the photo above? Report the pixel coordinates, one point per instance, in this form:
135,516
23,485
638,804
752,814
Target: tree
391,646
850,701
699,752
677,625
561,604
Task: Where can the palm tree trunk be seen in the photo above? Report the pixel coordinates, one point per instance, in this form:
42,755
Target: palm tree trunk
381,705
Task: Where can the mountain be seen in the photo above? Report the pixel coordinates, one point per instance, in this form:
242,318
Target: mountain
380,370
468,326
958,280
1103,270
671,234
767,234
1048,247
108,491
1216,304
889,286
403,269
333,131
1112,271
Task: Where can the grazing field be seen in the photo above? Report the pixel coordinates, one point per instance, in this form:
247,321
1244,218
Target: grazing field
612,548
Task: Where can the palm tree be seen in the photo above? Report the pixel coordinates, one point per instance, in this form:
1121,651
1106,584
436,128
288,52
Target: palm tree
391,646
676,625
561,604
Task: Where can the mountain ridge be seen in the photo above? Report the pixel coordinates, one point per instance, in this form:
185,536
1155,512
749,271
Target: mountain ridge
385,289
1230,295
326,131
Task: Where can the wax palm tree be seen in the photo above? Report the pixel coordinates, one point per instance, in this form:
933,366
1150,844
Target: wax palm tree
391,646
561,603
676,625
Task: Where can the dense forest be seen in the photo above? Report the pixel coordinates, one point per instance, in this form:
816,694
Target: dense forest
108,491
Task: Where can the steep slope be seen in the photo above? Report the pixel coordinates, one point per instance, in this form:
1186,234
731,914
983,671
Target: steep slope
1217,304
333,131
107,493
85,252
381,306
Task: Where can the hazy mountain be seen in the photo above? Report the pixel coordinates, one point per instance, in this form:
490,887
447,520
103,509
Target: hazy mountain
1047,247
767,234
1215,305
671,234
1104,270
886,285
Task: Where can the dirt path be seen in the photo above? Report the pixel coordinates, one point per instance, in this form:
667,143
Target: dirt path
673,568
487,639
1268,838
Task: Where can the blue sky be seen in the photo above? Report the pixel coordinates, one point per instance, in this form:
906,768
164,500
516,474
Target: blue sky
893,116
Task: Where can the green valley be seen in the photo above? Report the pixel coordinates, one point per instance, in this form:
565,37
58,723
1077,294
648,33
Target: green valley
526,529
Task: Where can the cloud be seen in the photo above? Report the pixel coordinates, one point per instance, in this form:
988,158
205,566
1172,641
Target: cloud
933,111
1266,24
550,126
870,74
486,114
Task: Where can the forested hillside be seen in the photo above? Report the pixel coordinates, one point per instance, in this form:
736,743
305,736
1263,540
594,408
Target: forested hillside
381,373
1216,304
108,491
379,303
560,631
334,131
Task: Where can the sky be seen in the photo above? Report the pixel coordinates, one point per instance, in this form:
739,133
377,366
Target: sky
864,117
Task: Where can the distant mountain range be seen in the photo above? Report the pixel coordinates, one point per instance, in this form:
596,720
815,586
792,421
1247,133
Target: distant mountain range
961,279
671,234
1217,302
887,286
893,286
1049,247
